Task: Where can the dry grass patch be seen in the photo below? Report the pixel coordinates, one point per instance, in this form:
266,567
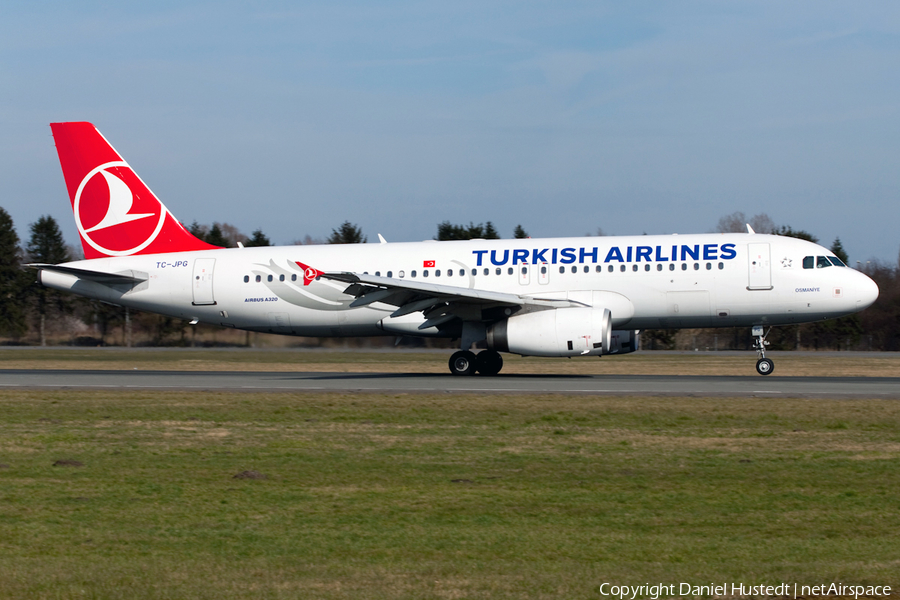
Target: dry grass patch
642,363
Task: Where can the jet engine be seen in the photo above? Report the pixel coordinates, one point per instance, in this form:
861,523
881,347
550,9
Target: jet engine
554,332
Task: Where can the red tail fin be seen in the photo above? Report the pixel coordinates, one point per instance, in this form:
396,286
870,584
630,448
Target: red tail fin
115,212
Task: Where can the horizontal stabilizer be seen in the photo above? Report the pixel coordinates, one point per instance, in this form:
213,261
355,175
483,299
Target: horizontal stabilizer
126,278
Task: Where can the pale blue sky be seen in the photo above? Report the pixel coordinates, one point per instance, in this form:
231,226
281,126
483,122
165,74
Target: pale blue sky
654,117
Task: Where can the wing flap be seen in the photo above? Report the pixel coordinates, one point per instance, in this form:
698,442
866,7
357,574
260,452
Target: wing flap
421,290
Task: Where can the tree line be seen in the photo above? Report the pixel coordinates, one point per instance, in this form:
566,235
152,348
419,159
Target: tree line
27,309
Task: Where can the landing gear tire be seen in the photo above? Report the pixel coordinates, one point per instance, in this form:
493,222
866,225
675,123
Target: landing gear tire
765,366
462,363
488,362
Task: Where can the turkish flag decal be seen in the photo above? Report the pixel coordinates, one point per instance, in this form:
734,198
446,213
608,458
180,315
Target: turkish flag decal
428,264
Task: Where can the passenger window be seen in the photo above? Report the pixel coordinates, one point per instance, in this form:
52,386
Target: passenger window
646,267
377,273
509,271
294,277
721,266
587,269
574,269
437,272
836,261
696,266
524,270
462,272
412,273
543,270
425,273
708,266
281,278
269,278
562,269
390,273
622,268
684,266
610,269
822,262
808,262
402,274
246,279
258,279
498,270
474,272
671,266
659,266
599,269
487,271
634,268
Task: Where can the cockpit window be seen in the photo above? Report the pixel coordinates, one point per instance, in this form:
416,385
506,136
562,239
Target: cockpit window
809,262
822,262
836,261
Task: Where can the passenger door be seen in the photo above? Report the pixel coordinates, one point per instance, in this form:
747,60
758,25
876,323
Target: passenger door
203,281
760,267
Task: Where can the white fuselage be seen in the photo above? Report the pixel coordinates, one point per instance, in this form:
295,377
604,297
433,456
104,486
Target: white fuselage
675,281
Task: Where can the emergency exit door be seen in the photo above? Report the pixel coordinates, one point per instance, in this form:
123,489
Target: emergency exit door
203,281
760,267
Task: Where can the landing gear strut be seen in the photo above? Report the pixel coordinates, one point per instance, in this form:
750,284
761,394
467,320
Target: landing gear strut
487,362
764,366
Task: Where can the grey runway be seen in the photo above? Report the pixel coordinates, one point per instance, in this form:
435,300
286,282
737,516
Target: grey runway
666,385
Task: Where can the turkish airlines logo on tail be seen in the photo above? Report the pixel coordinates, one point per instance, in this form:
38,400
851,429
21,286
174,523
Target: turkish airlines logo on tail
309,273
115,213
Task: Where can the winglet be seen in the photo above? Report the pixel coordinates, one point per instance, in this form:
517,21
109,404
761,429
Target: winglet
381,239
750,229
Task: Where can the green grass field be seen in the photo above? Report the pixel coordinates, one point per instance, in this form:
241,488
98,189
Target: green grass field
441,496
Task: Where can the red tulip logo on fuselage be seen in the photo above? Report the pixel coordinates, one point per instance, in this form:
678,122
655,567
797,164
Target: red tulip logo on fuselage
115,212
309,273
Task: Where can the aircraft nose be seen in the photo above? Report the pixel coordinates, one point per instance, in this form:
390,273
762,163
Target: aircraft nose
867,292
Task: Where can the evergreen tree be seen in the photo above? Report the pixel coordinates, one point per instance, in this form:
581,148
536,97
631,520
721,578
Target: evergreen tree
216,237
198,231
838,248
489,232
347,233
519,233
46,245
448,231
12,279
258,238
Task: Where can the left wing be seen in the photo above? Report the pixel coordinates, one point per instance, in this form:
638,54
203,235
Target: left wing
439,303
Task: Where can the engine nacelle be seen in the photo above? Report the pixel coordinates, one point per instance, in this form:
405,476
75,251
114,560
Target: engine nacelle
624,341
554,332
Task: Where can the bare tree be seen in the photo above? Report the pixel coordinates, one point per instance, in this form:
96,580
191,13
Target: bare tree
737,222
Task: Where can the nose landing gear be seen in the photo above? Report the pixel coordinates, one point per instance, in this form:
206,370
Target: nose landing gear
764,366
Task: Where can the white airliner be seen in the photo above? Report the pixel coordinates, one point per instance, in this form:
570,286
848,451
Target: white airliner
585,296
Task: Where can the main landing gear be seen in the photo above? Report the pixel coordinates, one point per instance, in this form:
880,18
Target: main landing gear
764,366
486,362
